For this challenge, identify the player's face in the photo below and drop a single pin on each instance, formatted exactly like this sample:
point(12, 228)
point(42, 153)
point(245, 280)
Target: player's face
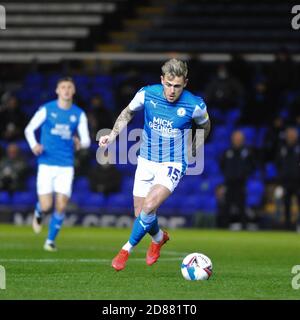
point(173, 87)
point(65, 90)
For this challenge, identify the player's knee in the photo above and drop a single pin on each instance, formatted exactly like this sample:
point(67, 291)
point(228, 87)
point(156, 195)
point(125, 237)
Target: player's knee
point(45, 207)
point(137, 209)
point(149, 205)
point(60, 206)
point(46, 211)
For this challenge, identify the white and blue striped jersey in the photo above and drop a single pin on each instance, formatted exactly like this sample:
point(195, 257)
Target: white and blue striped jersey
point(166, 124)
point(58, 127)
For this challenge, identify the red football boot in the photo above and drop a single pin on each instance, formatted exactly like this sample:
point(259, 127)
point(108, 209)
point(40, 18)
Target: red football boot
point(119, 261)
point(153, 252)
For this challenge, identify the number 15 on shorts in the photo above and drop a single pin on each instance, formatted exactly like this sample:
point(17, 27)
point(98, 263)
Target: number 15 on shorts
point(174, 173)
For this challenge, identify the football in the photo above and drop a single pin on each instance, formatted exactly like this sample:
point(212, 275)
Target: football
point(196, 266)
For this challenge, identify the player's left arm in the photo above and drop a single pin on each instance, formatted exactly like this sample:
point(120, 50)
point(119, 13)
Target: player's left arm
point(203, 126)
point(206, 127)
point(199, 139)
point(84, 140)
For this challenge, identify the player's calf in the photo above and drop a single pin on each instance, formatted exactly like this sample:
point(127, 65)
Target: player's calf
point(38, 219)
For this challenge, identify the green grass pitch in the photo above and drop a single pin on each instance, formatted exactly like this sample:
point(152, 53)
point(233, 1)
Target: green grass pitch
point(246, 265)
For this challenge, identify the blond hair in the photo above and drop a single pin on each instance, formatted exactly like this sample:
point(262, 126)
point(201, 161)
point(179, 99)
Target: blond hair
point(175, 68)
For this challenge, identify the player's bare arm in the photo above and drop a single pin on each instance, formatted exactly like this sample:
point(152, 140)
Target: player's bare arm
point(197, 141)
point(123, 119)
point(206, 127)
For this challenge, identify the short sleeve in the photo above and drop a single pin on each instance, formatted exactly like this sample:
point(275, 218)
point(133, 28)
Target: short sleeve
point(137, 103)
point(200, 114)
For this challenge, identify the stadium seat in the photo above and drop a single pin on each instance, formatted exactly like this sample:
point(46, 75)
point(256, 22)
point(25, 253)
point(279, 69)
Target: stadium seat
point(250, 135)
point(31, 183)
point(270, 171)
point(24, 198)
point(5, 198)
point(127, 184)
point(209, 205)
point(81, 184)
point(260, 140)
point(221, 133)
point(173, 202)
point(33, 79)
point(210, 151)
point(92, 199)
point(103, 80)
point(191, 204)
point(211, 168)
point(24, 146)
point(233, 116)
point(255, 191)
point(120, 201)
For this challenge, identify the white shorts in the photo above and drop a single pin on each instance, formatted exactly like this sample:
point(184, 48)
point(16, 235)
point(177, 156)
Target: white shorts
point(149, 173)
point(54, 179)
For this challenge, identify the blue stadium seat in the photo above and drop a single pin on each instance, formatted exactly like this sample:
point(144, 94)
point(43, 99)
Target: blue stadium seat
point(5, 198)
point(255, 191)
point(24, 146)
point(33, 79)
point(260, 140)
point(211, 168)
point(222, 145)
point(233, 116)
point(92, 199)
point(81, 80)
point(31, 183)
point(270, 171)
point(173, 202)
point(24, 198)
point(3, 144)
point(120, 200)
point(81, 184)
point(191, 204)
point(103, 80)
point(186, 186)
point(127, 184)
point(209, 205)
point(250, 135)
point(216, 114)
point(221, 133)
point(210, 151)
point(78, 197)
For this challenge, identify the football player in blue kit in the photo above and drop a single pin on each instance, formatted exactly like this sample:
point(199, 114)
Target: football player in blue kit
point(169, 110)
point(60, 122)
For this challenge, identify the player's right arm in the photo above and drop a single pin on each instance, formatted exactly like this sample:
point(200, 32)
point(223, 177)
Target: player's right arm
point(35, 122)
point(124, 118)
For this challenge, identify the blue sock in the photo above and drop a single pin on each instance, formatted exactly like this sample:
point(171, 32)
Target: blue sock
point(142, 225)
point(55, 224)
point(37, 210)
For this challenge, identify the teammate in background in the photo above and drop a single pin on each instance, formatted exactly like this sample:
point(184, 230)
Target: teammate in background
point(60, 121)
point(169, 112)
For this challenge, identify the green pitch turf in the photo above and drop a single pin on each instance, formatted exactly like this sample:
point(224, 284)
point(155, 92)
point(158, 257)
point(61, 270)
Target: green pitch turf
point(246, 265)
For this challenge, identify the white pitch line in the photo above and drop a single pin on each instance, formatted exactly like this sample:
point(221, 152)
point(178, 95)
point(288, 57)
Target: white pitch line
point(77, 260)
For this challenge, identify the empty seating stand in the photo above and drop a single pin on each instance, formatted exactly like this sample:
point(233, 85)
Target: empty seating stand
point(53, 26)
point(210, 26)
